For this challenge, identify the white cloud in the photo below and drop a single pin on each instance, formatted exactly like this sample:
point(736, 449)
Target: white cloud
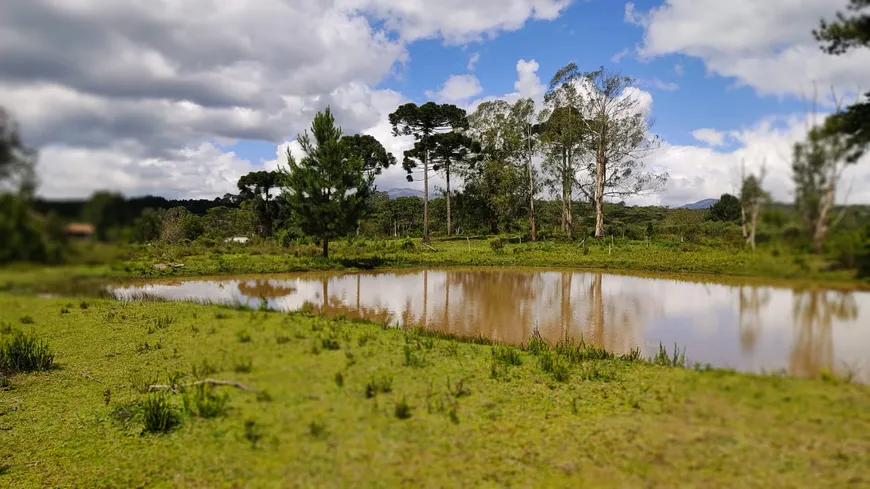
point(457, 88)
point(661, 85)
point(679, 69)
point(710, 137)
point(472, 61)
point(616, 58)
point(145, 90)
point(765, 45)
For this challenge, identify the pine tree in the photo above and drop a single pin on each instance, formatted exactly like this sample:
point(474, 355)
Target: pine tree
point(327, 189)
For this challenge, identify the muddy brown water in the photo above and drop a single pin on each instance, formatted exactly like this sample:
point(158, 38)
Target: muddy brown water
point(749, 327)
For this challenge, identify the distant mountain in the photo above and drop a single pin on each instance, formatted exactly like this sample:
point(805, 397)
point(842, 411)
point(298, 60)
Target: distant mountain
point(701, 204)
point(404, 192)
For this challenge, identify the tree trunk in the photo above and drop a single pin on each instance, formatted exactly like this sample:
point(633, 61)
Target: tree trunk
point(531, 191)
point(821, 225)
point(753, 224)
point(426, 198)
point(449, 226)
point(325, 247)
point(600, 178)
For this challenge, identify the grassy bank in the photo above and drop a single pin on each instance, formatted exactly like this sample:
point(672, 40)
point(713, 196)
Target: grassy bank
point(622, 256)
point(342, 404)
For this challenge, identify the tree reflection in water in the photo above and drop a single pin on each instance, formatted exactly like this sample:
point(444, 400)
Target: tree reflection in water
point(814, 312)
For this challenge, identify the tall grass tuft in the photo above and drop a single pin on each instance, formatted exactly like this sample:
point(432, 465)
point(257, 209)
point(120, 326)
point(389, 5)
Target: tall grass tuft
point(203, 402)
point(663, 358)
point(536, 344)
point(403, 409)
point(554, 364)
point(24, 352)
point(158, 415)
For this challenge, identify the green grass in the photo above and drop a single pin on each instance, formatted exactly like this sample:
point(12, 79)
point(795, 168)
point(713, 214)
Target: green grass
point(580, 418)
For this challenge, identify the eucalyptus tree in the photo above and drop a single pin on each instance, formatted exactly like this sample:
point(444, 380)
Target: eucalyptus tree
point(422, 122)
point(562, 132)
point(616, 140)
point(327, 189)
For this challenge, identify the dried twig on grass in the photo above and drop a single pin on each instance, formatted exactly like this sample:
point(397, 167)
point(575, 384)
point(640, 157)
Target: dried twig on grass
point(229, 383)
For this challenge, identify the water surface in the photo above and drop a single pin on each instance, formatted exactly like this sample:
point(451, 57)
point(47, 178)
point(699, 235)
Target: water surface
point(747, 327)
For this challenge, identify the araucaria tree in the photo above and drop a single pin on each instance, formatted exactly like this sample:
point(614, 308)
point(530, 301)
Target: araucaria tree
point(423, 122)
point(451, 153)
point(326, 190)
point(615, 142)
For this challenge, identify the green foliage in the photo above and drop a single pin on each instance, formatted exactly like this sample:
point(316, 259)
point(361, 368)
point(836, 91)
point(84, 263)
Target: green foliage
point(105, 211)
point(158, 415)
point(25, 236)
point(179, 225)
point(403, 410)
point(381, 384)
point(365, 147)
point(848, 31)
point(24, 352)
point(497, 245)
point(326, 190)
point(507, 355)
point(726, 209)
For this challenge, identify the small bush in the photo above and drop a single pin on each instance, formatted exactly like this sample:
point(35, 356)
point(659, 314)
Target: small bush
point(158, 415)
point(317, 429)
point(243, 336)
point(407, 245)
point(24, 352)
point(203, 402)
point(83, 305)
point(162, 322)
point(330, 343)
point(26, 320)
point(536, 344)
point(497, 245)
point(555, 365)
point(253, 432)
point(339, 379)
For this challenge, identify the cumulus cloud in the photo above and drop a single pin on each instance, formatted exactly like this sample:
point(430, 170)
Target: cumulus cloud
point(660, 84)
point(457, 88)
point(136, 90)
point(764, 45)
point(710, 137)
point(472, 61)
point(616, 58)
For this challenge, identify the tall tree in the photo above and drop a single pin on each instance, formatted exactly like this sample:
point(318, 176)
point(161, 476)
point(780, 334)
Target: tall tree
point(106, 211)
point(16, 160)
point(375, 158)
point(423, 122)
point(752, 196)
point(817, 167)
point(617, 140)
point(523, 115)
point(451, 153)
point(562, 131)
point(849, 31)
point(726, 209)
point(326, 189)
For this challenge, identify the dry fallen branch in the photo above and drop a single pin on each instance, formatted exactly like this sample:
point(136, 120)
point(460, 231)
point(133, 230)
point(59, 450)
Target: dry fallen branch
point(88, 376)
point(229, 383)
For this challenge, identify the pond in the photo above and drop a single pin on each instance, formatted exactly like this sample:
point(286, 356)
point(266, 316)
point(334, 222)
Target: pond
point(747, 327)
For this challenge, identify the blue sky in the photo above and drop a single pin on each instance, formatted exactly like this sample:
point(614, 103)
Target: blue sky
point(186, 99)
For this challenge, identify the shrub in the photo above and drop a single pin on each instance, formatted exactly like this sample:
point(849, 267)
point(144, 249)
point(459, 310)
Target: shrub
point(403, 409)
point(497, 245)
point(407, 245)
point(378, 385)
point(24, 352)
point(158, 416)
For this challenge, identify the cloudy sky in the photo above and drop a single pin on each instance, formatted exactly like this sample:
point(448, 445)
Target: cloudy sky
point(180, 97)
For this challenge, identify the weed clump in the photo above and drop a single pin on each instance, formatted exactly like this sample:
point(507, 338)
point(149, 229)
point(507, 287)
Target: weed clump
point(403, 409)
point(203, 402)
point(664, 359)
point(253, 432)
point(26, 320)
point(24, 352)
point(379, 385)
point(555, 365)
point(507, 355)
point(158, 415)
point(244, 366)
point(243, 336)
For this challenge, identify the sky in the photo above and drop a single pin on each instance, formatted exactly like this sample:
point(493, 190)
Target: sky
point(179, 98)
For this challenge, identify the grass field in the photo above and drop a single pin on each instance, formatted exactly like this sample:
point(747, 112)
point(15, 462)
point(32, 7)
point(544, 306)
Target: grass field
point(343, 404)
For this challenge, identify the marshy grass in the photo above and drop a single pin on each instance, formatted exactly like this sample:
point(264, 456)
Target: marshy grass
point(24, 352)
point(507, 355)
point(158, 414)
point(555, 365)
point(676, 359)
